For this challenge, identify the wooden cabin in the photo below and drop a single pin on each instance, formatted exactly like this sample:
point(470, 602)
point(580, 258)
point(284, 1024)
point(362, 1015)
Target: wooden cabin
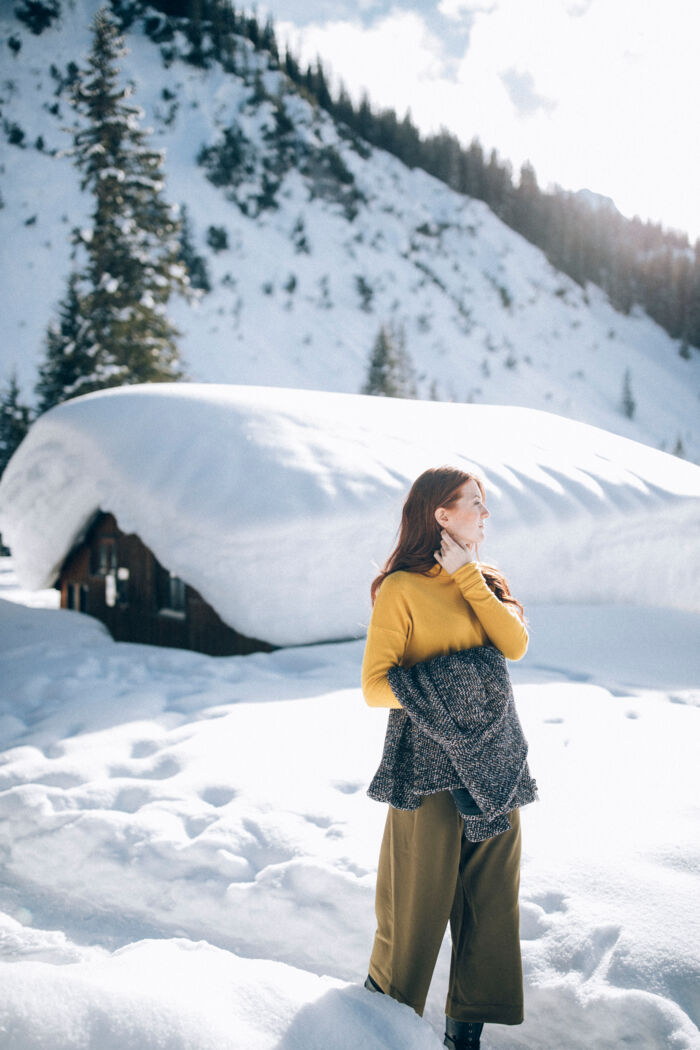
point(114, 577)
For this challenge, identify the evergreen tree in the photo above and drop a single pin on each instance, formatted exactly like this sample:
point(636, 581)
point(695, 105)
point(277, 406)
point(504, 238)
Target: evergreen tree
point(67, 367)
point(195, 263)
point(38, 14)
point(526, 202)
point(628, 404)
point(132, 246)
point(14, 421)
point(390, 372)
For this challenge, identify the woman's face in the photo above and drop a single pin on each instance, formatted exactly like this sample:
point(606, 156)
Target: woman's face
point(464, 519)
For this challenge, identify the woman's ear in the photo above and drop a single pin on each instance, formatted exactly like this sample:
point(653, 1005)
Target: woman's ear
point(441, 517)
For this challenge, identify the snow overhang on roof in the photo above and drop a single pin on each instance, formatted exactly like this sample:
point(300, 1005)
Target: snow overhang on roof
point(278, 505)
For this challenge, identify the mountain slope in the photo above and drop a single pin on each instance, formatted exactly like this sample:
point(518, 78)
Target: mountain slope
point(325, 241)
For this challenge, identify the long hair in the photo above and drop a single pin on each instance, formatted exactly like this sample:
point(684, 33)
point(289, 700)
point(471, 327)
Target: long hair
point(419, 532)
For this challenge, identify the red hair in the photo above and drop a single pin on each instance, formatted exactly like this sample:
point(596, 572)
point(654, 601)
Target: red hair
point(419, 532)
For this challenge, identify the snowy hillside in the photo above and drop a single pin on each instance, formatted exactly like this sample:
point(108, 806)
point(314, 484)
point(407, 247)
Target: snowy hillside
point(277, 505)
point(189, 856)
point(347, 239)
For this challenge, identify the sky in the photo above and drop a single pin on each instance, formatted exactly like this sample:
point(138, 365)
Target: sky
point(596, 94)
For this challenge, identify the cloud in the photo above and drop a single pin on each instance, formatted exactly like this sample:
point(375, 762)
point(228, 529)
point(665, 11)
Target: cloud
point(458, 9)
point(521, 88)
point(396, 59)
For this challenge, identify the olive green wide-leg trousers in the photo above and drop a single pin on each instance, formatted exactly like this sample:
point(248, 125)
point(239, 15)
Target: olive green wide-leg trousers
point(429, 874)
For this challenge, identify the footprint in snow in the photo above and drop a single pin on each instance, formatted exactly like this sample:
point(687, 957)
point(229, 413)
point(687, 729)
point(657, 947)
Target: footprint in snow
point(53, 750)
point(130, 800)
point(535, 912)
point(194, 826)
point(318, 821)
point(143, 748)
point(586, 953)
point(348, 787)
point(168, 766)
point(218, 796)
point(549, 902)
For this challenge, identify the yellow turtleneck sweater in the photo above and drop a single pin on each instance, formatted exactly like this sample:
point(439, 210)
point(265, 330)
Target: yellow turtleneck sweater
point(417, 617)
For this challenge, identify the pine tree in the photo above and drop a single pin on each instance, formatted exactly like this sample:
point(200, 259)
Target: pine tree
point(627, 403)
point(67, 367)
point(132, 246)
point(390, 372)
point(195, 263)
point(14, 421)
point(38, 14)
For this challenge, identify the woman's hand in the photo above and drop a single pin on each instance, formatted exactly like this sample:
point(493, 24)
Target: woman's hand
point(453, 554)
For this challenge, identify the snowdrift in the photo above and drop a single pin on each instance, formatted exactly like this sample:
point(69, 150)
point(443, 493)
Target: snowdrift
point(279, 505)
point(176, 994)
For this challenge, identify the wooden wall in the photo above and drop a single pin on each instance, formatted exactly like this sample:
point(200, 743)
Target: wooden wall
point(117, 579)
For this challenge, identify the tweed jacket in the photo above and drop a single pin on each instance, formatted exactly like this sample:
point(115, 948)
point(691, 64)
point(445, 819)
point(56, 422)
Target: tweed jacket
point(457, 728)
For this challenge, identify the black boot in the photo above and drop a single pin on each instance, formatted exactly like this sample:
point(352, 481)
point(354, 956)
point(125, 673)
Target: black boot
point(372, 986)
point(463, 1035)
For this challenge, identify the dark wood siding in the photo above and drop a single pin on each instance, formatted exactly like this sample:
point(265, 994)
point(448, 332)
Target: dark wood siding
point(113, 576)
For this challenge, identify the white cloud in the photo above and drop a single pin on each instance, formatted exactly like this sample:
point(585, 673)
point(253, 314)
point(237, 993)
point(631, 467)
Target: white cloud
point(394, 60)
point(455, 9)
point(523, 94)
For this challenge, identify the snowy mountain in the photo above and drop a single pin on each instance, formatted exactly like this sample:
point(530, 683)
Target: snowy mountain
point(312, 241)
point(596, 200)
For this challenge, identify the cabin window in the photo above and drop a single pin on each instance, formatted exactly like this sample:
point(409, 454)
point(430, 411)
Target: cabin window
point(104, 557)
point(76, 597)
point(176, 593)
point(123, 585)
point(173, 600)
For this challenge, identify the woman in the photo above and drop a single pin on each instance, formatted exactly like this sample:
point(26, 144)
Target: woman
point(432, 599)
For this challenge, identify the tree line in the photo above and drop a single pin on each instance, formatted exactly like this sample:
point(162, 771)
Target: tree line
point(634, 262)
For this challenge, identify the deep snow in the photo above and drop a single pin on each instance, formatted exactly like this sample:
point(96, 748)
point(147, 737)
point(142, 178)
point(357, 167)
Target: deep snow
point(189, 855)
point(276, 505)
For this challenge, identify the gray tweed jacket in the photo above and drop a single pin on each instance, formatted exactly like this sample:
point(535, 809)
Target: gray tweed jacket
point(457, 728)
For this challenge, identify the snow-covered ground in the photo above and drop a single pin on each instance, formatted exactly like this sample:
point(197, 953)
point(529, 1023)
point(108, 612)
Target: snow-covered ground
point(188, 852)
point(189, 855)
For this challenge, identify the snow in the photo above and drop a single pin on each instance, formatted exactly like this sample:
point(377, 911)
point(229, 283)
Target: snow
point(189, 854)
point(295, 495)
point(141, 998)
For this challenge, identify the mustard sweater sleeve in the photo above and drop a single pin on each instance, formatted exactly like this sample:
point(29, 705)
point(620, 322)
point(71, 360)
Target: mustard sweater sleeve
point(504, 628)
point(388, 633)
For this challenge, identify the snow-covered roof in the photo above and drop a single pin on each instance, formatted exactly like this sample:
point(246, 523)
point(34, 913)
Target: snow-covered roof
point(278, 505)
